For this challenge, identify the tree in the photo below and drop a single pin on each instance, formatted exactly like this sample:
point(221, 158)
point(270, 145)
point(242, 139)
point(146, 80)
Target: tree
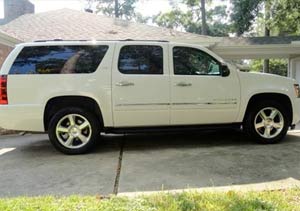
point(267, 32)
point(277, 66)
point(124, 9)
point(243, 14)
point(196, 6)
point(203, 14)
point(116, 8)
point(173, 19)
point(281, 17)
point(286, 17)
point(191, 20)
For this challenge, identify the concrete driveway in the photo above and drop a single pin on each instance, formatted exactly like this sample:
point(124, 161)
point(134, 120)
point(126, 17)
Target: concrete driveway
point(30, 166)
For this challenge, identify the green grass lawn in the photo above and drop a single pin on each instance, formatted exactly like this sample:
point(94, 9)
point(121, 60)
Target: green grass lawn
point(235, 201)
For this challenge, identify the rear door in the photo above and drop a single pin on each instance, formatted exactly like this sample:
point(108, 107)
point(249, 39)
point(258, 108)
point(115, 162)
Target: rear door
point(140, 84)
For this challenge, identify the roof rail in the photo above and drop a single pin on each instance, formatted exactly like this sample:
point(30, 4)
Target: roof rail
point(55, 40)
point(127, 40)
point(146, 40)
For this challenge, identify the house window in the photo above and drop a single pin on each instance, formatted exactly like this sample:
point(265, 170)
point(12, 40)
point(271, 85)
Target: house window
point(141, 59)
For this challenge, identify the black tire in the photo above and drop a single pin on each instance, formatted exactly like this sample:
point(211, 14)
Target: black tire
point(249, 122)
point(94, 132)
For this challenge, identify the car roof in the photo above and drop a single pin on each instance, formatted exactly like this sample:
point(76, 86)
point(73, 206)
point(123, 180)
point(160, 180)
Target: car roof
point(60, 42)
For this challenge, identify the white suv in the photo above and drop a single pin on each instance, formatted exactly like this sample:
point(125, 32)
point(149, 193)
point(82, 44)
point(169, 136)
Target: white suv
point(75, 90)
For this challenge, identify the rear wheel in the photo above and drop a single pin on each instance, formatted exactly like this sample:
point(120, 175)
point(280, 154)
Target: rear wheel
point(73, 130)
point(267, 122)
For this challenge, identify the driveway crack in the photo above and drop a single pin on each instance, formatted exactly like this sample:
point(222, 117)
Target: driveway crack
point(119, 167)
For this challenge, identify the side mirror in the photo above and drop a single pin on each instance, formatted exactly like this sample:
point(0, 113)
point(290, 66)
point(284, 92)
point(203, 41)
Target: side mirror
point(225, 70)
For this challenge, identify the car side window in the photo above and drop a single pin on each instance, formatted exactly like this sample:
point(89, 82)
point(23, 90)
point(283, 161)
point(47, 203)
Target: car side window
point(192, 61)
point(141, 59)
point(58, 59)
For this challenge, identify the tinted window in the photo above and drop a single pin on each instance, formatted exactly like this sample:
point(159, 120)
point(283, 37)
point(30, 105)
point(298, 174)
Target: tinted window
point(141, 59)
point(58, 59)
point(192, 61)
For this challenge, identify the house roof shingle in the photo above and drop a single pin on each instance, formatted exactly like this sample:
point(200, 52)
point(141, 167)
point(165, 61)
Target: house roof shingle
point(69, 24)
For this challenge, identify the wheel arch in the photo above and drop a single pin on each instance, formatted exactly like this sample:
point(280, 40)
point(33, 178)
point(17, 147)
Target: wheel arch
point(279, 97)
point(59, 102)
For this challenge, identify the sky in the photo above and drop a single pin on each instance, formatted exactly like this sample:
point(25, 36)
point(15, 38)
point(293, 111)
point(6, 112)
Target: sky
point(146, 7)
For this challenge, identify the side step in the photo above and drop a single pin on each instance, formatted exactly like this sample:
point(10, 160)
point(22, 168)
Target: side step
point(172, 129)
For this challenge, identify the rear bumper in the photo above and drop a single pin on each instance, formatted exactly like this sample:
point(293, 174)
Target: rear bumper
point(22, 117)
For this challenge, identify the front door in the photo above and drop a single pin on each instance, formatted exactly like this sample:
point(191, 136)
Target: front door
point(199, 93)
point(140, 85)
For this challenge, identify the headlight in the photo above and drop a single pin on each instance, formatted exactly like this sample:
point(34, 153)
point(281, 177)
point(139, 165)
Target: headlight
point(297, 90)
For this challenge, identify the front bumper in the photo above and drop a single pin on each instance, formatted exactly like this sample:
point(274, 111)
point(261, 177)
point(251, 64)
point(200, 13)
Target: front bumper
point(296, 111)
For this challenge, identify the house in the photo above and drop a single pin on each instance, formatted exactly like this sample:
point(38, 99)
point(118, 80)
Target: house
point(69, 24)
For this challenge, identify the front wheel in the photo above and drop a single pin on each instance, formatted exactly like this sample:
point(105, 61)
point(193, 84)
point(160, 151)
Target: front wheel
point(73, 130)
point(267, 122)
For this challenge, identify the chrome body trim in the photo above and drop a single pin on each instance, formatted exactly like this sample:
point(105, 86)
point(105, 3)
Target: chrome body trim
point(172, 104)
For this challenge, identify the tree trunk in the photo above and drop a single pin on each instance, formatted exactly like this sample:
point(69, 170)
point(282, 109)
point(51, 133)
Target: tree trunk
point(267, 34)
point(203, 14)
point(266, 65)
point(116, 8)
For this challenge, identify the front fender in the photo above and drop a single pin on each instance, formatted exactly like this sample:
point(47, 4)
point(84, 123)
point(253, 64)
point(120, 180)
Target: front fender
point(253, 84)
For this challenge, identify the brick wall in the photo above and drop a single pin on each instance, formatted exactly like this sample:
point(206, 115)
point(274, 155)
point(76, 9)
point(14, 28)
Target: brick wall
point(4, 51)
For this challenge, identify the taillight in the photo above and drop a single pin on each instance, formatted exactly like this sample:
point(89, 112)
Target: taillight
point(3, 90)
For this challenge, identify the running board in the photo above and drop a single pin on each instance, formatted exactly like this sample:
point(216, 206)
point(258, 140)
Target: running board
point(172, 129)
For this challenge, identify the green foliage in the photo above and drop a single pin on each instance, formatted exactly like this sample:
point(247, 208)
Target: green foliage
point(284, 16)
point(243, 14)
point(173, 19)
point(219, 29)
point(287, 200)
point(277, 66)
point(126, 9)
point(190, 20)
point(138, 17)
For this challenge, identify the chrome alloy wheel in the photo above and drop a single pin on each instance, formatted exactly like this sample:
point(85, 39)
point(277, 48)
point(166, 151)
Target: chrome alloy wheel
point(73, 131)
point(269, 122)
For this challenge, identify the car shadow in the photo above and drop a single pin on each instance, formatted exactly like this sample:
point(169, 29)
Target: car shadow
point(205, 159)
point(157, 140)
point(207, 139)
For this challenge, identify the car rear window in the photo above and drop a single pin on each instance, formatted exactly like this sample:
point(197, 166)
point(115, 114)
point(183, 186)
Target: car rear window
point(58, 59)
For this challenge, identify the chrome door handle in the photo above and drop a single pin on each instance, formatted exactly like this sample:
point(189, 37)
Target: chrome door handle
point(124, 83)
point(183, 84)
